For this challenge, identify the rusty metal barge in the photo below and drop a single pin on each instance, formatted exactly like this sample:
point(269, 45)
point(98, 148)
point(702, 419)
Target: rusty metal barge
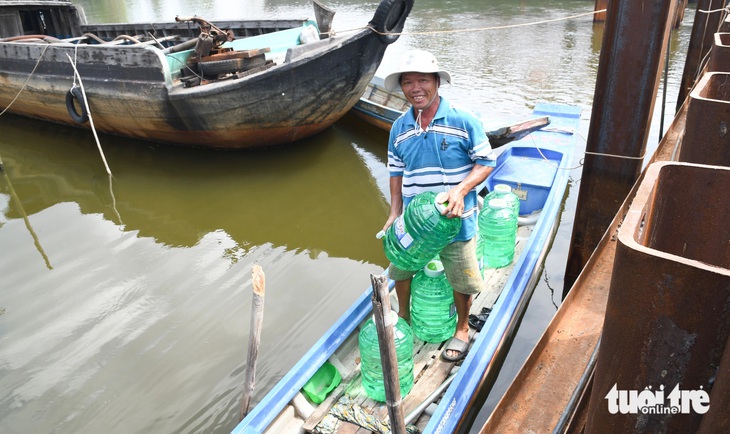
point(225, 85)
point(641, 343)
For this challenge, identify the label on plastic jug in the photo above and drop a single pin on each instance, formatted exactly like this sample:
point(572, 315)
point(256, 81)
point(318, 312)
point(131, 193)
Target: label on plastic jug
point(400, 232)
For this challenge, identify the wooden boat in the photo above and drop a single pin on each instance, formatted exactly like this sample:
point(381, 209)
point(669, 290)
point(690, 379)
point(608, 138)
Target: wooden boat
point(545, 157)
point(232, 84)
point(380, 108)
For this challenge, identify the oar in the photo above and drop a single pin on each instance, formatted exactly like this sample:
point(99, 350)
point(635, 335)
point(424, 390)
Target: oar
point(257, 319)
point(502, 136)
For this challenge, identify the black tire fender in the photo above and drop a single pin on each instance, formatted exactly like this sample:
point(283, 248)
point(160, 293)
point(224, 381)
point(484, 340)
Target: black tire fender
point(72, 96)
point(390, 17)
point(214, 68)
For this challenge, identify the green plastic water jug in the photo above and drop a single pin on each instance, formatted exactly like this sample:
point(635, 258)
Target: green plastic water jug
point(420, 233)
point(371, 367)
point(433, 313)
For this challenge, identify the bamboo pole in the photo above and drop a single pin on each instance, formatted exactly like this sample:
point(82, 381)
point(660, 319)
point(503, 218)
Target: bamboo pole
point(257, 319)
point(388, 357)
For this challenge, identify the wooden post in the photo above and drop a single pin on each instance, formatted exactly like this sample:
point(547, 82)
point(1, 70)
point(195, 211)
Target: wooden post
point(388, 357)
point(323, 15)
point(257, 319)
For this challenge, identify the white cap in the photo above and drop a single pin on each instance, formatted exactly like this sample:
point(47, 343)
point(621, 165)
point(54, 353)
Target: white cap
point(497, 203)
point(434, 268)
point(415, 61)
point(503, 188)
point(440, 200)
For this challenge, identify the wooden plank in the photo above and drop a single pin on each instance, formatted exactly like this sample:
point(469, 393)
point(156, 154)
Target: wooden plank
point(429, 380)
point(506, 134)
point(238, 54)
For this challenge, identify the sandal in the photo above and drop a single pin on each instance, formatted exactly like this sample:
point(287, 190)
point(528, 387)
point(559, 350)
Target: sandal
point(477, 321)
point(455, 344)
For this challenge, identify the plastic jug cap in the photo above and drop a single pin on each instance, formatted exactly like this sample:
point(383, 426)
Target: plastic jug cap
point(389, 318)
point(503, 188)
point(434, 268)
point(441, 201)
point(497, 203)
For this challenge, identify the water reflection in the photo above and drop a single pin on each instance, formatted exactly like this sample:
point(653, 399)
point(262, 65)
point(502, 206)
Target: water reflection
point(315, 196)
point(19, 205)
point(148, 296)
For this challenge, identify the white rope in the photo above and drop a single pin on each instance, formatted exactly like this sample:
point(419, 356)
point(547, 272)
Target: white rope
point(726, 8)
point(601, 154)
point(476, 29)
point(93, 129)
point(88, 111)
point(549, 161)
point(96, 137)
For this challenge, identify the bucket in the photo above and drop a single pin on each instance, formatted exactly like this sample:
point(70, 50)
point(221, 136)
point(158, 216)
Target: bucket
point(322, 383)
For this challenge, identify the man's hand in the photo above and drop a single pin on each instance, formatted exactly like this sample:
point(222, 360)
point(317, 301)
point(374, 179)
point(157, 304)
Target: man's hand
point(389, 222)
point(455, 196)
point(454, 201)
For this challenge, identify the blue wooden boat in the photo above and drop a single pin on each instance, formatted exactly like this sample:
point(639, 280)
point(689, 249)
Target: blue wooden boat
point(225, 84)
point(537, 167)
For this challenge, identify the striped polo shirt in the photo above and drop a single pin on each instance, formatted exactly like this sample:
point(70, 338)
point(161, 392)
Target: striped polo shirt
point(439, 157)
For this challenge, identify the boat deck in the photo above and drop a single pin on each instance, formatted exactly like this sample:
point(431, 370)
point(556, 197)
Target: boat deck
point(430, 370)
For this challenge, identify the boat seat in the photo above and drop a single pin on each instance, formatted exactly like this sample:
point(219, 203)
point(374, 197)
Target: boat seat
point(530, 175)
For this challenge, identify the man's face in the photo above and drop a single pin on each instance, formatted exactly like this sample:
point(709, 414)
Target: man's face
point(419, 88)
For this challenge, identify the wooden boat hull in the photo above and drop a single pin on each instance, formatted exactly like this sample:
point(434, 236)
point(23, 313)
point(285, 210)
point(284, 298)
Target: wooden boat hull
point(284, 410)
point(133, 91)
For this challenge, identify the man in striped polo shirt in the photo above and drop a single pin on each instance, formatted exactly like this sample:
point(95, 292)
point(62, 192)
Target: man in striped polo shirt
point(436, 146)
